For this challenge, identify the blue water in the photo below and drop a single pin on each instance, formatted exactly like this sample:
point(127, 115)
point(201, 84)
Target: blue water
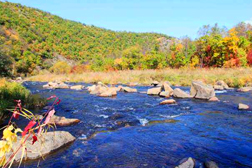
point(133, 130)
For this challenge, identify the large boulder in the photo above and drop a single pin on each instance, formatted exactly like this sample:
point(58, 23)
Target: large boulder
point(244, 89)
point(199, 90)
point(186, 163)
point(98, 89)
point(47, 142)
point(77, 87)
point(180, 93)
point(164, 94)
point(154, 91)
point(109, 92)
point(166, 87)
point(128, 89)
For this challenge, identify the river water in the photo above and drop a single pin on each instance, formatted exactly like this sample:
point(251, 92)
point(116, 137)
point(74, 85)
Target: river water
point(133, 130)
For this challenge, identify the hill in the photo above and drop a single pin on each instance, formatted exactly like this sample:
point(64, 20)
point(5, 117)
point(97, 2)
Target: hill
point(29, 37)
point(32, 40)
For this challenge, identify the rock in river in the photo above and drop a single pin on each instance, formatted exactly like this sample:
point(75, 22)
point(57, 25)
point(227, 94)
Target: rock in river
point(154, 83)
point(244, 89)
point(213, 99)
point(180, 94)
point(56, 85)
point(199, 90)
point(154, 91)
point(210, 164)
point(47, 143)
point(186, 163)
point(166, 87)
point(169, 101)
point(128, 89)
point(61, 121)
point(77, 87)
point(221, 84)
point(164, 94)
point(243, 106)
point(109, 92)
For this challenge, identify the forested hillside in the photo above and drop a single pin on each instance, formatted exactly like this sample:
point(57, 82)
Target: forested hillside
point(30, 36)
point(31, 40)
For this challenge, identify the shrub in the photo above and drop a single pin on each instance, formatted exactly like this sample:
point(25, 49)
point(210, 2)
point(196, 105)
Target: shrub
point(61, 67)
point(15, 91)
point(5, 65)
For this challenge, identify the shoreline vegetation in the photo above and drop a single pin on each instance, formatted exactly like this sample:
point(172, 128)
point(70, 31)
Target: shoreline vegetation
point(11, 91)
point(234, 77)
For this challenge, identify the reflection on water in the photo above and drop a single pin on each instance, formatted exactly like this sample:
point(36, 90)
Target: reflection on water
point(133, 130)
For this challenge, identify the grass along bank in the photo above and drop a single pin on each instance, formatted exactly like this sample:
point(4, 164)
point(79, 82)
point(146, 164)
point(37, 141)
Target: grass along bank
point(234, 77)
point(10, 91)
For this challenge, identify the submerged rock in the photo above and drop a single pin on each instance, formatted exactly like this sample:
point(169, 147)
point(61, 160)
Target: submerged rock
point(243, 106)
point(199, 90)
point(210, 164)
point(77, 87)
point(186, 163)
point(47, 143)
point(169, 101)
point(154, 91)
point(180, 93)
point(162, 121)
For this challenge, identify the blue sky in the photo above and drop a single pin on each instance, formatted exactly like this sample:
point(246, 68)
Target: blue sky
point(172, 17)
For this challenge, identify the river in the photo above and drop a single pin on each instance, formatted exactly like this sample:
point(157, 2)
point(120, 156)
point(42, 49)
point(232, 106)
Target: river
point(133, 130)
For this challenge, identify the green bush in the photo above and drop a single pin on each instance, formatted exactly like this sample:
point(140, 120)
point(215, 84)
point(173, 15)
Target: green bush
point(9, 92)
point(61, 67)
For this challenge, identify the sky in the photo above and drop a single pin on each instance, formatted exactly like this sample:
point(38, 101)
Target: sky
point(176, 18)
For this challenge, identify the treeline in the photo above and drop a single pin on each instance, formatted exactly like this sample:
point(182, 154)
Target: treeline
point(31, 40)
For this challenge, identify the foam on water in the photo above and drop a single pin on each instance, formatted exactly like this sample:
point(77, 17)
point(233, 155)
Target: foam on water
point(143, 121)
point(220, 91)
point(104, 116)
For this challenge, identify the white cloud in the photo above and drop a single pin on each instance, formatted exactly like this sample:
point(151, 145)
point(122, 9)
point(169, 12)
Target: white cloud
point(249, 21)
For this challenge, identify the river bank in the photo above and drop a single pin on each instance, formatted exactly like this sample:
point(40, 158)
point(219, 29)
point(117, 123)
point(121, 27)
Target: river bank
point(235, 77)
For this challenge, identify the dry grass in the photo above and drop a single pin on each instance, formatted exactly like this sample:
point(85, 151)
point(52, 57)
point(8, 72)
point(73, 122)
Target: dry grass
point(235, 77)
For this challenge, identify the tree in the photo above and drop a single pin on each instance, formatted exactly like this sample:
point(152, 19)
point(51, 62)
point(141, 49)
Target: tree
point(5, 65)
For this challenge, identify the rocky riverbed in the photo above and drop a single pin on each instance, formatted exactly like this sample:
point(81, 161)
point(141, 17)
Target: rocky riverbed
point(134, 130)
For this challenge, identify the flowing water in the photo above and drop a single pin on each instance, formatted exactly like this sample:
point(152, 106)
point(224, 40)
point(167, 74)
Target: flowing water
point(133, 130)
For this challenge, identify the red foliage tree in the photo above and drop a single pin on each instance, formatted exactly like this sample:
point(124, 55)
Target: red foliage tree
point(249, 57)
